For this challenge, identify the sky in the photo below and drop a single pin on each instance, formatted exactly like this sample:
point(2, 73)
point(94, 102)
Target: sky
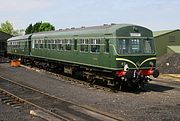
point(153, 14)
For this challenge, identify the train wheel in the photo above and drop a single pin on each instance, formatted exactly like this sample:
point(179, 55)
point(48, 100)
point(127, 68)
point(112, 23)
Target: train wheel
point(144, 85)
point(91, 80)
point(105, 82)
point(123, 85)
point(117, 85)
point(135, 85)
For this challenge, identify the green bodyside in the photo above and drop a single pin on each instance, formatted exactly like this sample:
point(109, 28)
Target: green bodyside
point(21, 47)
point(104, 60)
point(100, 59)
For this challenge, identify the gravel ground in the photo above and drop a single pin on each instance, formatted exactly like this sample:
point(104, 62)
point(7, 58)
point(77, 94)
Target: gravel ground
point(8, 113)
point(169, 64)
point(160, 102)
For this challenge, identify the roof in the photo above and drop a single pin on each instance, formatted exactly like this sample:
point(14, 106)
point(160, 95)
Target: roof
point(107, 30)
point(176, 49)
point(160, 33)
point(95, 30)
point(19, 37)
point(83, 28)
point(4, 35)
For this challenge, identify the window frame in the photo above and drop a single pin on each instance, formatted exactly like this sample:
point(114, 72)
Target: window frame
point(125, 46)
point(97, 43)
point(68, 43)
point(84, 45)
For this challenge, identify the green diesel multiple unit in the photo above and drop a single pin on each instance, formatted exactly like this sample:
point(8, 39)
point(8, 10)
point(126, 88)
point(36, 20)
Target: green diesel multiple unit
point(119, 54)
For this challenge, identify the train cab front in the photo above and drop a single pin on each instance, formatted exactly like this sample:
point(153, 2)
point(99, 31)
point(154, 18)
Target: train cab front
point(136, 61)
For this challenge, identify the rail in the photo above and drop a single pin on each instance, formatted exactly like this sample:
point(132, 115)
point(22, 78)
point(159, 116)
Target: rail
point(60, 108)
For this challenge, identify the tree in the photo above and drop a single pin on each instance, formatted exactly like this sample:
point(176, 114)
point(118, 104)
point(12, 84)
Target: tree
point(29, 29)
point(7, 27)
point(36, 27)
point(46, 27)
point(39, 27)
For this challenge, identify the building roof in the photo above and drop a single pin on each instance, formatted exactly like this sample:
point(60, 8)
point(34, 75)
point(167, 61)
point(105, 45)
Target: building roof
point(176, 49)
point(160, 33)
point(4, 35)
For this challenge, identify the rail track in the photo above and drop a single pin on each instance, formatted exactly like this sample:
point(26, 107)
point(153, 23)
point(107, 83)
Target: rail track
point(73, 80)
point(98, 87)
point(105, 88)
point(16, 94)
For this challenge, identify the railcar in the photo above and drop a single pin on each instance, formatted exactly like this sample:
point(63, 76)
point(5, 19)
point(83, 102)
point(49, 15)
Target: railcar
point(118, 54)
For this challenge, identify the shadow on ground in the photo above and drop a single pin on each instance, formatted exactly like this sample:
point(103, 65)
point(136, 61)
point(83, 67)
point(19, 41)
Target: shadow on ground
point(149, 88)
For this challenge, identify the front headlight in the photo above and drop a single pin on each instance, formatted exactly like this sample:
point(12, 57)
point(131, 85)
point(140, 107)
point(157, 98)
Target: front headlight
point(151, 63)
point(122, 64)
point(126, 67)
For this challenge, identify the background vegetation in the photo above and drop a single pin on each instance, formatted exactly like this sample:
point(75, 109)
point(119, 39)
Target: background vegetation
point(8, 28)
point(39, 27)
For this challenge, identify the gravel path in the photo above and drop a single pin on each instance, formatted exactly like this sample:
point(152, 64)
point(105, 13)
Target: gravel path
point(159, 103)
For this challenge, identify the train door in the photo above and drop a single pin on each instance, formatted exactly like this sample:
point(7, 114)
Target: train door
point(75, 48)
point(107, 57)
point(29, 45)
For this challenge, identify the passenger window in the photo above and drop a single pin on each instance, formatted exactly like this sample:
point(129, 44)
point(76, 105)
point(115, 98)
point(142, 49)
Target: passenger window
point(95, 45)
point(53, 44)
point(36, 44)
point(68, 44)
point(41, 44)
point(84, 45)
point(60, 44)
point(49, 44)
